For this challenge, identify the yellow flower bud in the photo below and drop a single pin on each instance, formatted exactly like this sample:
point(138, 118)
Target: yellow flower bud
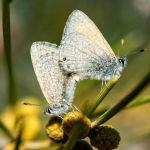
point(32, 126)
point(54, 130)
point(25, 110)
point(8, 117)
point(76, 118)
point(27, 115)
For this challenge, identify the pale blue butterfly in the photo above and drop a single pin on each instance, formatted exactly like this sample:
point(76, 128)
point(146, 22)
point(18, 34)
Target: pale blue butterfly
point(83, 53)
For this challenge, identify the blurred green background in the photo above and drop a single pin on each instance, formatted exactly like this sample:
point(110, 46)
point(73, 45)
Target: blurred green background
point(44, 20)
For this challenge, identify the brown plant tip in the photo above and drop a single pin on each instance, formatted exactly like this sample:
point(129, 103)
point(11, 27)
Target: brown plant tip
point(76, 118)
point(104, 137)
point(54, 130)
point(82, 145)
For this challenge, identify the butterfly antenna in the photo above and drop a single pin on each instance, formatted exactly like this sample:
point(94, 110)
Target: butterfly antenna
point(118, 52)
point(31, 104)
point(138, 51)
point(122, 43)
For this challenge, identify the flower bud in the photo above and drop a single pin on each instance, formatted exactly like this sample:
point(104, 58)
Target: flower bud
point(104, 137)
point(54, 130)
point(75, 118)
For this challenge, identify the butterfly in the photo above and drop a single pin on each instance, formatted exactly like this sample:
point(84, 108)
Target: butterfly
point(83, 53)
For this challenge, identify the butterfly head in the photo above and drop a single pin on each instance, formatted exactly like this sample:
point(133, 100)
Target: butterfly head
point(122, 62)
point(48, 111)
point(58, 109)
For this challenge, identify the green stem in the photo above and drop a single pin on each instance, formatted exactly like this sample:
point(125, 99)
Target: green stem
point(102, 94)
point(124, 102)
point(7, 48)
point(18, 141)
point(73, 137)
point(135, 103)
point(6, 130)
point(139, 101)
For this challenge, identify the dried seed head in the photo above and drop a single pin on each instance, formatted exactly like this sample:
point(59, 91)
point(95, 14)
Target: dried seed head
point(104, 137)
point(82, 145)
point(75, 118)
point(54, 130)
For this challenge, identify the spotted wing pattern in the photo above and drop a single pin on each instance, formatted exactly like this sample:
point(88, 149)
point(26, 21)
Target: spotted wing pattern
point(45, 59)
point(84, 49)
point(83, 57)
point(78, 22)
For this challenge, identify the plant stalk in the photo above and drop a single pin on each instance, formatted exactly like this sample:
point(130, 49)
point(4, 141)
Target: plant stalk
point(6, 131)
point(102, 94)
point(73, 137)
point(124, 102)
point(139, 101)
point(7, 48)
point(134, 103)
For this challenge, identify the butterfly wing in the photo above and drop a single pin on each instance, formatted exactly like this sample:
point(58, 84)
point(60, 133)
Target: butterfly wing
point(82, 56)
point(84, 49)
point(45, 57)
point(78, 22)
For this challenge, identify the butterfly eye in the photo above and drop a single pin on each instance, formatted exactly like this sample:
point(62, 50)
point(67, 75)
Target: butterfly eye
point(121, 61)
point(48, 111)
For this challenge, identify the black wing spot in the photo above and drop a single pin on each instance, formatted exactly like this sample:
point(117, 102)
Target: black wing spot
point(69, 74)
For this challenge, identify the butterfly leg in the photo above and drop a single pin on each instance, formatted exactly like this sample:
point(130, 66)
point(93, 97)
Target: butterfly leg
point(72, 107)
point(106, 83)
point(102, 85)
point(76, 108)
point(60, 117)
